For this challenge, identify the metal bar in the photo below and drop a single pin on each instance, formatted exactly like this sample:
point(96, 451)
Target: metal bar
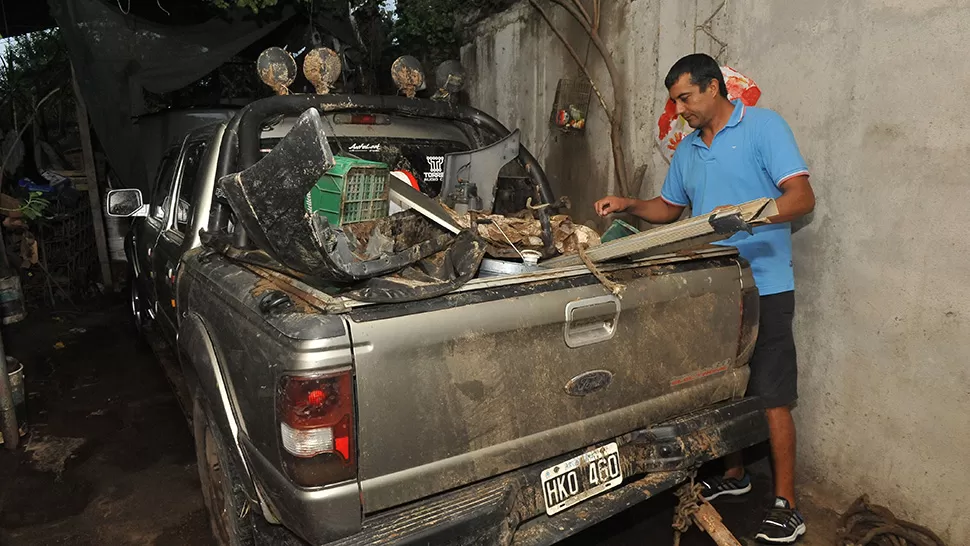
point(11, 432)
point(91, 175)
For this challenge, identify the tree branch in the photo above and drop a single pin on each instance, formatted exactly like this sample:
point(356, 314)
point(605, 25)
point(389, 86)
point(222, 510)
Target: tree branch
point(582, 9)
point(3, 166)
point(619, 96)
point(575, 56)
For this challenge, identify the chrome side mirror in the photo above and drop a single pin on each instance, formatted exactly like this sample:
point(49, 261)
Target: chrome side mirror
point(126, 203)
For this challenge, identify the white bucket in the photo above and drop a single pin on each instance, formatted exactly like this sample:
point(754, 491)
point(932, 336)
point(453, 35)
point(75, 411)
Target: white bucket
point(117, 229)
point(15, 373)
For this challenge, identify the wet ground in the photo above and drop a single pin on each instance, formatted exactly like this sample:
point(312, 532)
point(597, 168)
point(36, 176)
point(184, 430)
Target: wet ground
point(110, 458)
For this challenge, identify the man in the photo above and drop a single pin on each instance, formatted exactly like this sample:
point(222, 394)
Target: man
point(737, 154)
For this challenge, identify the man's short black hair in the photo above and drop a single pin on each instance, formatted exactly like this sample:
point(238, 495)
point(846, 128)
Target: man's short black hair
point(702, 69)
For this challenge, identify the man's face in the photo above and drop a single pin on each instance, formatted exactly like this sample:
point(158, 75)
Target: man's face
point(697, 106)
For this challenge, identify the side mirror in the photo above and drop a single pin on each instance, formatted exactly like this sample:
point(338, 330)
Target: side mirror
point(126, 204)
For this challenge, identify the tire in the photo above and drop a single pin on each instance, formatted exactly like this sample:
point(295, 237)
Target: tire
point(230, 514)
point(139, 311)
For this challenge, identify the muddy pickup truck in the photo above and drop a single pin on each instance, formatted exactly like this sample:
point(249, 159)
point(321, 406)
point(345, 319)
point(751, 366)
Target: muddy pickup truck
point(516, 409)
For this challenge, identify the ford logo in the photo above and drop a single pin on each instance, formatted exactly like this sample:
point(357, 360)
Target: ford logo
point(589, 382)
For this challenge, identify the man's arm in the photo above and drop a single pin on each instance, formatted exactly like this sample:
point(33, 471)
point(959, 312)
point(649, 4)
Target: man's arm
point(655, 211)
point(797, 199)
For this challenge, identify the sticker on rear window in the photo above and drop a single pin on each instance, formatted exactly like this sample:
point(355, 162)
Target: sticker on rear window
point(436, 171)
point(359, 147)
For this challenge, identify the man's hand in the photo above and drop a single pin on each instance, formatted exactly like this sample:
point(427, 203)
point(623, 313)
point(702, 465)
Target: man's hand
point(655, 211)
point(611, 204)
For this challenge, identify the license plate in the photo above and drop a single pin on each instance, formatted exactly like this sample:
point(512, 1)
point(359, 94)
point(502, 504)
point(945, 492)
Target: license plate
point(573, 481)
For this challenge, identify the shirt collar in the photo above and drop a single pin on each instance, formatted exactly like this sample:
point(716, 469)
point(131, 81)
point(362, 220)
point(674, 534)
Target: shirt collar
point(736, 116)
point(738, 113)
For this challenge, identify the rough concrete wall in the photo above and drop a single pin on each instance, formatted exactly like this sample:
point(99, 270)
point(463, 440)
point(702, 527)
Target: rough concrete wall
point(506, 81)
point(874, 93)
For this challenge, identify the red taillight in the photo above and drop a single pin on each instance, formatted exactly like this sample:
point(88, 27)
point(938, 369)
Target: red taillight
point(316, 397)
point(316, 414)
point(750, 315)
point(361, 119)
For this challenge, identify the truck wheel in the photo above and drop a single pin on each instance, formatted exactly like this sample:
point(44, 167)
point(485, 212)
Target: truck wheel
point(222, 490)
point(139, 312)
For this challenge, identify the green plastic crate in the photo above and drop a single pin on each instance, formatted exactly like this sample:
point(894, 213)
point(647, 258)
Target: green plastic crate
point(354, 190)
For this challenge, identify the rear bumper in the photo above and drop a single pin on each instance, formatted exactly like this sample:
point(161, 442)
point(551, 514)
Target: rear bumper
point(510, 509)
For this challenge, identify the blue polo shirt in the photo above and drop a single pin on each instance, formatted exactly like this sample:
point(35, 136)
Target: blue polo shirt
point(750, 158)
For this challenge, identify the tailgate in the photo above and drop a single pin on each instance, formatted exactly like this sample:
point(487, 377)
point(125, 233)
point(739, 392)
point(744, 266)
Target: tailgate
point(466, 386)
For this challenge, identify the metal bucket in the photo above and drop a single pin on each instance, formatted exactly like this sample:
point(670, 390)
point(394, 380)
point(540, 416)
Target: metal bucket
point(12, 307)
point(500, 268)
point(15, 373)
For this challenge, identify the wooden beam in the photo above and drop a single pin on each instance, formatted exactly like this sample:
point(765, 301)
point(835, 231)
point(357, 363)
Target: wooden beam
point(94, 195)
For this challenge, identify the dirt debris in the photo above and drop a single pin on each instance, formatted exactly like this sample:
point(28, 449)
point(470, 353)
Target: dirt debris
point(50, 453)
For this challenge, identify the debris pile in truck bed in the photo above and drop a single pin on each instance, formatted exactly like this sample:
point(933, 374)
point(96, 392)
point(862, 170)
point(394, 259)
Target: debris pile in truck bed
point(504, 234)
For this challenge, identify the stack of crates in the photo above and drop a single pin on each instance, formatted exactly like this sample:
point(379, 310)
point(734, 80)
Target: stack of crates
point(354, 190)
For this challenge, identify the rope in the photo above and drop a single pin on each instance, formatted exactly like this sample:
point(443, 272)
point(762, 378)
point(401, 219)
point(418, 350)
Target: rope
point(866, 524)
point(615, 288)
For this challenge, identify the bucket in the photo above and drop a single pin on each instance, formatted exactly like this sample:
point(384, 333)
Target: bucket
point(117, 229)
point(15, 373)
point(11, 300)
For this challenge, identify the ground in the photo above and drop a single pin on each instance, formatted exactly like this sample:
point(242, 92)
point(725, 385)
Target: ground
point(110, 458)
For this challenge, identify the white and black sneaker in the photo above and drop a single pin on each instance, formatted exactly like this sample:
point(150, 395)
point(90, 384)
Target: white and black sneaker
point(782, 525)
point(720, 486)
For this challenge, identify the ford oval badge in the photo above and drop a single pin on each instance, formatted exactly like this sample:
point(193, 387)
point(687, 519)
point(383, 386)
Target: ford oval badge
point(589, 382)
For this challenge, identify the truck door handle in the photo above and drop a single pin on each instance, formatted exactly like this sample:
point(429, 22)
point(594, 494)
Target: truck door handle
point(591, 320)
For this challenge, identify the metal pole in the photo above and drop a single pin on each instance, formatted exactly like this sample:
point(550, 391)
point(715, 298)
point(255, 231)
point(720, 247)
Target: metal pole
point(11, 433)
point(91, 176)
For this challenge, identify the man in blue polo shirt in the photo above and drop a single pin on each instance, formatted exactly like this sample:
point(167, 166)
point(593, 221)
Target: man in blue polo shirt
point(737, 154)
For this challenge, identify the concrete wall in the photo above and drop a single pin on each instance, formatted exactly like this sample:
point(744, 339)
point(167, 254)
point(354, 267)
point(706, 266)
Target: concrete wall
point(875, 93)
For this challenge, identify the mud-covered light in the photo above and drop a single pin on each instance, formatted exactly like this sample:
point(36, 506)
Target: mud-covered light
point(322, 67)
point(277, 68)
point(408, 75)
point(450, 77)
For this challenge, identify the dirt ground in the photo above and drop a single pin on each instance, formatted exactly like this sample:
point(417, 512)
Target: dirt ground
point(110, 458)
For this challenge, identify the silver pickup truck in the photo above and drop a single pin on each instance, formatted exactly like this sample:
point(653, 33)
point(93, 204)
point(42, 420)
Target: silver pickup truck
point(518, 409)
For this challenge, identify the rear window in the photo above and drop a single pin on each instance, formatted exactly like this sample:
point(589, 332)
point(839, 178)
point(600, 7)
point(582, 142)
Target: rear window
point(423, 158)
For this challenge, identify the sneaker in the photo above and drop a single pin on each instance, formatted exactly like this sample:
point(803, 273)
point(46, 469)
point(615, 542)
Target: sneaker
point(782, 525)
point(718, 486)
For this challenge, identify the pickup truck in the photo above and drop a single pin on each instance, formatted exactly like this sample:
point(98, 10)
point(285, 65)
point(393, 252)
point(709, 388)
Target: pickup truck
point(515, 410)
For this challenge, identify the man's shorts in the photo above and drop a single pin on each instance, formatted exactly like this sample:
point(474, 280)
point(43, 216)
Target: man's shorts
point(774, 372)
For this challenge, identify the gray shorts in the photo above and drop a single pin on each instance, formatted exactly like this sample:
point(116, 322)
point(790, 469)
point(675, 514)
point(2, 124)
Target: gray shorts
point(774, 371)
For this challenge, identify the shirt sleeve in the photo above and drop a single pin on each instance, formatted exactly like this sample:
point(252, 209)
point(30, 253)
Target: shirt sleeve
point(673, 190)
point(778, 151)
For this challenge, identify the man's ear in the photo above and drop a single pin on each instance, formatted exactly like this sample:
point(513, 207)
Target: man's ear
point(713, 88)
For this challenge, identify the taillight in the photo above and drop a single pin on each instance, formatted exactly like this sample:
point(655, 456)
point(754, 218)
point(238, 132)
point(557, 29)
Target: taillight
point(361, 119)
point(316, 415)
point(750, 315)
